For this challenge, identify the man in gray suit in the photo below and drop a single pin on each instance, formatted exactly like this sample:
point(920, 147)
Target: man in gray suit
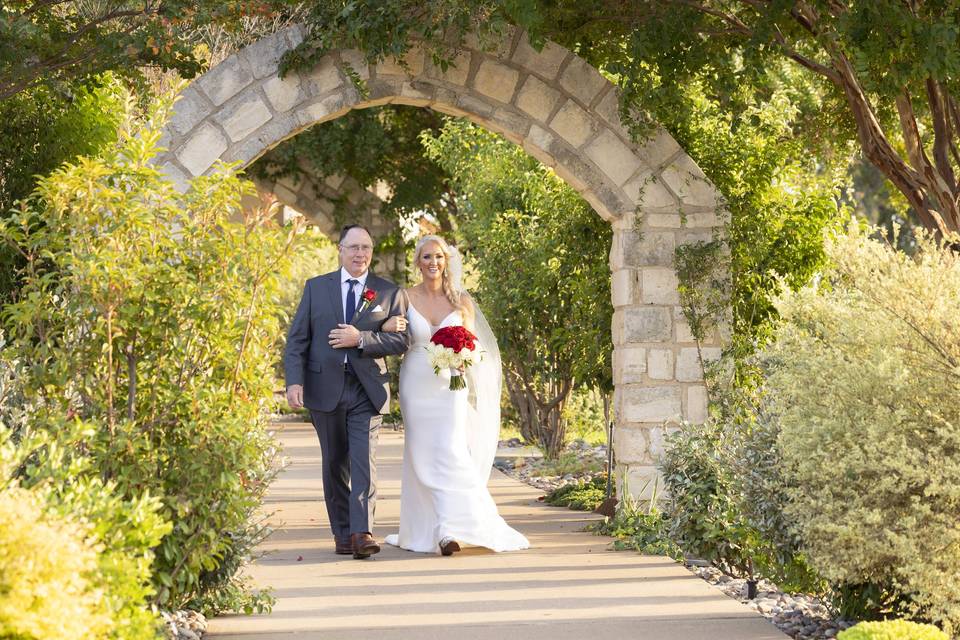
point(333, 365)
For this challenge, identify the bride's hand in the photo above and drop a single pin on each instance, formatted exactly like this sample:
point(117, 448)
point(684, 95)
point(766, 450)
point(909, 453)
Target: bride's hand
point(395, 324)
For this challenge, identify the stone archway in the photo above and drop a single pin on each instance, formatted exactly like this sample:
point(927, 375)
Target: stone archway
point(561, 111)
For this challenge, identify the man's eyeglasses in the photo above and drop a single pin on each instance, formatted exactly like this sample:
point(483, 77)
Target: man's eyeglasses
point(357, 248)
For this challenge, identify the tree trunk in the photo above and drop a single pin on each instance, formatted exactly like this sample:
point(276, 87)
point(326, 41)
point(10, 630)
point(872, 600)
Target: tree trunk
point(541, 423)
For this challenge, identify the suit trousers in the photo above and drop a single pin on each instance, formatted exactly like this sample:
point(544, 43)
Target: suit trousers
point(348, 444)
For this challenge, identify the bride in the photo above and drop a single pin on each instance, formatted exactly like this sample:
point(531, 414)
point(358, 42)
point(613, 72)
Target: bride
point(450, 436)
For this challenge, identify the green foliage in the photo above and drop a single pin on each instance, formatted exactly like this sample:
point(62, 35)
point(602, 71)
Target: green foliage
point(45, 565)
point(579, 496)
point(640, 526)
point(122, 533)
point(585, 415)
point(151, 317)
point(892, 630)
point(44, 42)
point(43, 128)
point(863, 377)
point(525, 233)
point(370, 146)
point(704, 516)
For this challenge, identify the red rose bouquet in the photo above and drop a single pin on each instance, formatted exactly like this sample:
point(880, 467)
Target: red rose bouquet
point(453, 348)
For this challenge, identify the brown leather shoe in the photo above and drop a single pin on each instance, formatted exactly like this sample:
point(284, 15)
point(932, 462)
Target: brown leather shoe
point(449, 546)
point(343, 546)
point(363, 545)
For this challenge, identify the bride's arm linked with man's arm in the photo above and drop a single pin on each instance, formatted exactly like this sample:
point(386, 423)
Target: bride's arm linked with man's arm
point(387, 341)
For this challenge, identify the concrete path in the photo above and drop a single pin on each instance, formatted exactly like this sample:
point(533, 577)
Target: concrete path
point(567, 586)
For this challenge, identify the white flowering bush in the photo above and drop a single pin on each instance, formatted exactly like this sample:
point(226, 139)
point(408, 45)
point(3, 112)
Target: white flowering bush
point(865, 376)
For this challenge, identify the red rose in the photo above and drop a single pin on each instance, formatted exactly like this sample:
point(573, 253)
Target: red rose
point(369, 295)
point(456, 338)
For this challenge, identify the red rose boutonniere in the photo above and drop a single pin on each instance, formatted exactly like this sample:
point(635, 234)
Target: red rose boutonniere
point(369, 295)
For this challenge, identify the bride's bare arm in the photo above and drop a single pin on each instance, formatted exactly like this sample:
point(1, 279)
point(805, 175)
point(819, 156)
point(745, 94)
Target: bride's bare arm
point(468, 312)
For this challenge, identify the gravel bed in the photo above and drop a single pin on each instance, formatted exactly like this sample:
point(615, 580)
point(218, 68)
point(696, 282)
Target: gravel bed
point(531, 470)
point(800, 616)
point(184, 624)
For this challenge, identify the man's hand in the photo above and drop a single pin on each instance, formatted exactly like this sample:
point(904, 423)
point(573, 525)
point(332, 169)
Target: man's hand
point(295, 396)
point(345, 336)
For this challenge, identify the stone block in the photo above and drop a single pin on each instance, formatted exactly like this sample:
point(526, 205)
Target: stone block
point(651, 404)
point(630, 443)
point(629, 365)
point(681, 328)
point(689, 368)
point(537, 98)
point(642, 481)
point(650, 194)
point(177, 177)
point(509, 122)
point(702, 219)
point(279, 127)
point(263, 56)
point(225, 80)
point(411, 65)
point(201, 149)
point(324, 77)
point(189, 110)
point(285, 194)
point(658, 285)
point(545, 63)
point(283, 93)
point(382, 91)
point(333, 106)
point(417, 94)
point(537, 143)
point(647, 324)
point(662, 220)
point(614, 157)
point(685, 179)
point(573, 124)
point(659, 148)
point(582, 81)
point(241, 118)
point(609, 108)
point(657, 440)
point(623, 287)
point(357, 62)
point(496, 80)
point(457, 72)
point(473, 106)
point(649, 249)
point(696, 404)
point(660, 364)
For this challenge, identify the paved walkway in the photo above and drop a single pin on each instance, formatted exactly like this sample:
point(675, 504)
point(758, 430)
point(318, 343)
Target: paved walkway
point(567, 586)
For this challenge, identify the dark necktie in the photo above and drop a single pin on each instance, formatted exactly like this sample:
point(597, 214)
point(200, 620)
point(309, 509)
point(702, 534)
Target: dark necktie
point(351, 300)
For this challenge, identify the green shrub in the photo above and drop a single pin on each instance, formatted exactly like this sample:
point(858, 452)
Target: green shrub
point(579, 496)
point(151, 317)
point(46, 564)
point(642, 527)
point(864, 378)
point(892, 630)
point(702, 508)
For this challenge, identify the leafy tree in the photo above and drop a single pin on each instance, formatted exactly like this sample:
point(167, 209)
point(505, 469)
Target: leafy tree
point(149, 315)
point(526, 234)
point(55, 40)
point(888, 69)
point(370, 146)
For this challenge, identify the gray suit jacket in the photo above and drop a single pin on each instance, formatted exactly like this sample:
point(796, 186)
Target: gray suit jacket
point(309, 360)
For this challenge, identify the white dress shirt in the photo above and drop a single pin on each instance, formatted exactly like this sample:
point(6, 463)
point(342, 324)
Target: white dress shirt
point(357, 295)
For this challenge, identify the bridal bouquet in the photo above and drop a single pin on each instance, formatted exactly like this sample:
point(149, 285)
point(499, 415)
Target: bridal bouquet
point(453, 348)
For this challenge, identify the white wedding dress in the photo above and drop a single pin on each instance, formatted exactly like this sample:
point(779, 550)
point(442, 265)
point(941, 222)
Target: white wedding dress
point(447, 456)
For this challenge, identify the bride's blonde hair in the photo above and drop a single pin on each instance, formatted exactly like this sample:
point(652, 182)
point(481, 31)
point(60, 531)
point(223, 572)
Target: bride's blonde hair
point(454, 296)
